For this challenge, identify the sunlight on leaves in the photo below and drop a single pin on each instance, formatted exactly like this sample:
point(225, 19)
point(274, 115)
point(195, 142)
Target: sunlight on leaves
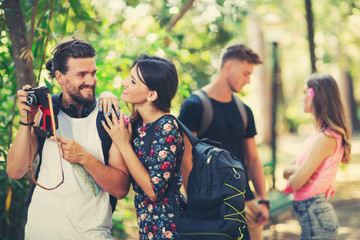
point(8, 199)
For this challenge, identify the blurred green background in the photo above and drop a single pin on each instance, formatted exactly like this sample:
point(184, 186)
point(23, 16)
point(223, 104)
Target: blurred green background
point(310, 36)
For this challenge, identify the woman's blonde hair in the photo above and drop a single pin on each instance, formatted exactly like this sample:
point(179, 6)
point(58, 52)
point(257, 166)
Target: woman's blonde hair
point(329, 110)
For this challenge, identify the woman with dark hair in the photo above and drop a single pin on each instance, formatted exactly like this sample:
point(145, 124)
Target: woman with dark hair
point(312, 174)
point(151, 86)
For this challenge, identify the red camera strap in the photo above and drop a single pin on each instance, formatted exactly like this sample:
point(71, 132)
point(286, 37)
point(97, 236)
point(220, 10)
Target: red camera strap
point(57, 143)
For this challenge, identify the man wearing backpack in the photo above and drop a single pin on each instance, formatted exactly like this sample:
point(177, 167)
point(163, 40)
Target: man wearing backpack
point(227, 126)
point(72, 198)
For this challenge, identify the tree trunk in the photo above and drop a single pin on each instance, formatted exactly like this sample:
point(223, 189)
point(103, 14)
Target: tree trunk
point(340, 75)
point(310, 27)
point(20, 47)
point(24, 75)
point(260, 80)
point(352, 103)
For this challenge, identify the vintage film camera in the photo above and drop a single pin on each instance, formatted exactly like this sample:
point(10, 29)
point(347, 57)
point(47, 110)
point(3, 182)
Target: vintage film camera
point(37, 97)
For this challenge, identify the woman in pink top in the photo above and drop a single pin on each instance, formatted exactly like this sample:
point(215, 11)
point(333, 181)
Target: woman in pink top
point(311, 175)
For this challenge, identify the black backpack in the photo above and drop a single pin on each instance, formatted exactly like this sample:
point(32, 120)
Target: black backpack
point(215, 193)
point(105, 145)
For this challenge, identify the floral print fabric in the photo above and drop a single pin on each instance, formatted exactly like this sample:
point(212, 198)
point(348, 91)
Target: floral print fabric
point(156, 219)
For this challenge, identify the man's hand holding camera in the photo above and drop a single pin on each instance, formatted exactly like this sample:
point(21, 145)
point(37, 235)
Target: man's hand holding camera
point(24, 108)
point(72, 151)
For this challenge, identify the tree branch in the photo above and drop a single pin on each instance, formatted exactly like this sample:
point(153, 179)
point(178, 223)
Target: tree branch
point(310, 27)
point(32, 27)
point(47, 38)
point(176, 18)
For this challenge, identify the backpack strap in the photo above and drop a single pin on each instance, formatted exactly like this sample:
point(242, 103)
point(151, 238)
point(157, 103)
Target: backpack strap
point(56, 104)
point(106, 143)
point(149, 137)
point(56, 109)
point(104, 136)
point(207, 115)
point(151, 132)
point(192, 138)
point(242, 110)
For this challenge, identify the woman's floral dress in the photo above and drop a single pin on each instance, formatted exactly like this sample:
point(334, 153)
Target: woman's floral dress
point(156, 219)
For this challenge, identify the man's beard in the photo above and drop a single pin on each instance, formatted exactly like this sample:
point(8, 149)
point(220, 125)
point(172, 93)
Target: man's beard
point(77, 97)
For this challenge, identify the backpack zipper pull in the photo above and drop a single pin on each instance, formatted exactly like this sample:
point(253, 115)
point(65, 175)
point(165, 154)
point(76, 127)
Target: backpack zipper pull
point(236, 174)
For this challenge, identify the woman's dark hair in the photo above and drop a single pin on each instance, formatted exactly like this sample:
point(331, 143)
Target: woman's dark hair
point(159, 75)
point(328, 108)
point(74, 48)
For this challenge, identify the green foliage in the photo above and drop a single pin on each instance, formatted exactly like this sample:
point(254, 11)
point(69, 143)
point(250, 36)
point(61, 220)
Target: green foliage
point(124, 218)
point(12, 204)
point(128, 28)
point(12, 192)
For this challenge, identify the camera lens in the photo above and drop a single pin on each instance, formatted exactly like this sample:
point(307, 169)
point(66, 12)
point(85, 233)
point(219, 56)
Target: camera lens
point(31, 100)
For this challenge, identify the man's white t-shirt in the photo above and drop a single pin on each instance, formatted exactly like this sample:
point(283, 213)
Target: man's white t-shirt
point(78, 209)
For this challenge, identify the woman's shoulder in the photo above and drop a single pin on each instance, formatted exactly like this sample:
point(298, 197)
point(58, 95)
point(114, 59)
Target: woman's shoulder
point(167, 122)
point(331, 133)
point(167, 127)
point(326, 136)
point(325, 142)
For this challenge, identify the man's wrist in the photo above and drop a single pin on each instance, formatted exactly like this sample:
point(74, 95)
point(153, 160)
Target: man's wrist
point(264, 202)
point(26, 123)
point(84, 157)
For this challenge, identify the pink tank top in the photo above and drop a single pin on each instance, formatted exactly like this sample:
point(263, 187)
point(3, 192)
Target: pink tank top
point(324, 176)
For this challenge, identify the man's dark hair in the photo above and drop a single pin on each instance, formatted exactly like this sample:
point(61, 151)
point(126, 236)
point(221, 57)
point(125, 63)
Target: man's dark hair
point(240, 52)
point(74, 48)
